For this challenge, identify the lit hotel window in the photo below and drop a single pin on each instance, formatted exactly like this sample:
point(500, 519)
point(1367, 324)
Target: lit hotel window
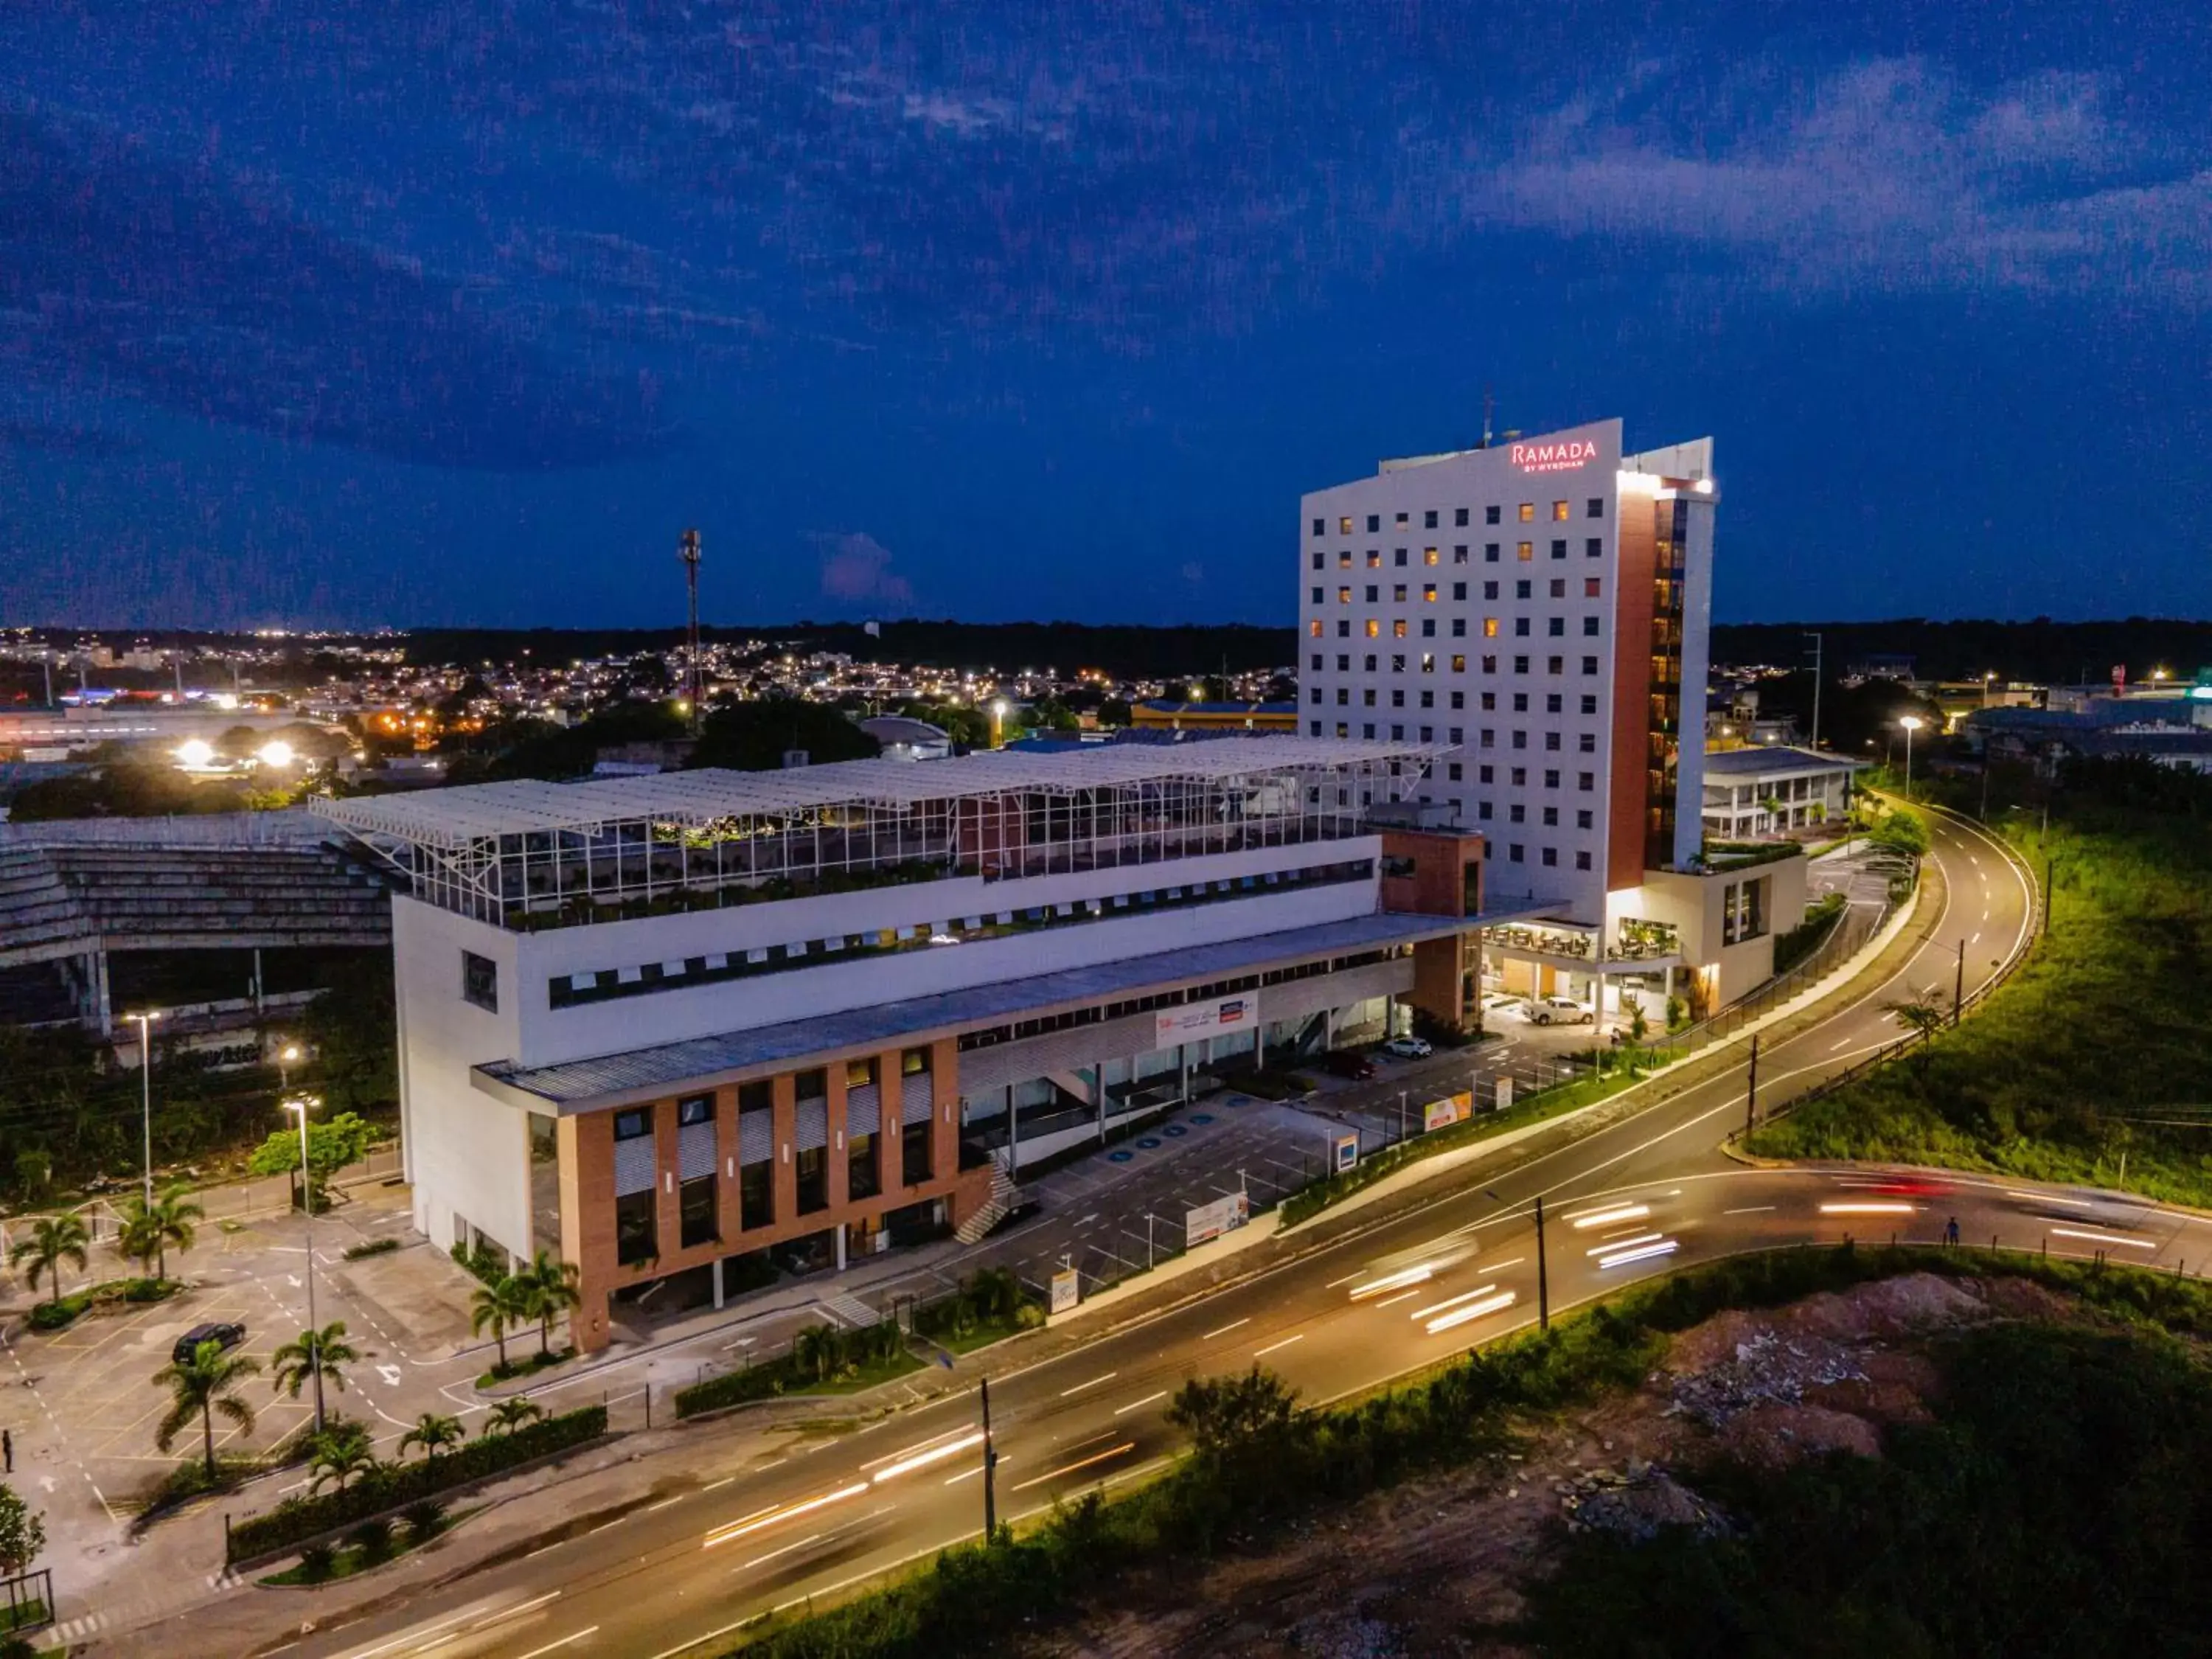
point(1314, 627)
point(1559, 511)
point(1344, 525)
point(1527, 551)
point(1528, 512)
point(1374, 629)
point(1490, 627)
point(1459, 665)
point(1398, 629)
point(1344, 596)
point(1428, 591)
point(1374, 558)
point(1401, 522)
point(1344, 560)
point(1428, 556)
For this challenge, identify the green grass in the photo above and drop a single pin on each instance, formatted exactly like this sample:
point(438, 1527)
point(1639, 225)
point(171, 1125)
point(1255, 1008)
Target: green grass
point(529, 1366)
point(2095, 1050)
point(384, 1246)
point(327, 1567)
point(24, 1615)
point(773, 1379)
point(55, 1316)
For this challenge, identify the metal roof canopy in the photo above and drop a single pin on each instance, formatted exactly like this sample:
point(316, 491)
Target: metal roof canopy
point(451, 817)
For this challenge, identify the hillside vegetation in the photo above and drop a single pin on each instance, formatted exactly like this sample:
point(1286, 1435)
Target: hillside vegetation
point(2099, 1050)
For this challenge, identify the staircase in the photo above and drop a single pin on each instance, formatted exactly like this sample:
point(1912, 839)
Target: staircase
point(848, 1309)
point(1003, 1194)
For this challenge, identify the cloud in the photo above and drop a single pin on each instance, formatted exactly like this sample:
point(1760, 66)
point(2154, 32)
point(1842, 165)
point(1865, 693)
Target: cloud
point(177, 285)
point(1887, 174)
point(856, 571)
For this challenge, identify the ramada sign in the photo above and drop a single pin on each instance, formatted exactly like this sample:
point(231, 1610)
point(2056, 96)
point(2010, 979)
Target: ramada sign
point(1555, 457)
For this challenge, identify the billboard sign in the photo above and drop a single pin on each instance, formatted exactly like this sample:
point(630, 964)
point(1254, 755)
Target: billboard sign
point(1347, 1152)
point(1452, 1109)
point(1220, 1016)
point(1504, 1093)
point(1555, 455)
point(1067, 1289)
point(1223, 1215)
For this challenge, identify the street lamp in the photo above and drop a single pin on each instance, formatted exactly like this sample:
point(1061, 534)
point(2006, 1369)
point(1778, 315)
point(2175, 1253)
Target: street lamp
point(287, 1057)
point(999, 710)
point(307, 1204)
point(1911, 723)
point(144, 1023)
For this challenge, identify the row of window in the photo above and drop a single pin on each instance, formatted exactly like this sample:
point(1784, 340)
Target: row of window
point(1400, 594)
point(1593, 508)
point(1401, 628)
point(1428, 659)
point(573, 990)
point(1493, 553)
point(1555, 702)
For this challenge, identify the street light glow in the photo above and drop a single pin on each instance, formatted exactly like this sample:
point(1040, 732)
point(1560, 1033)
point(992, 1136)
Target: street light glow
point(1911, 722)
point(194, 752)
point(276, 752)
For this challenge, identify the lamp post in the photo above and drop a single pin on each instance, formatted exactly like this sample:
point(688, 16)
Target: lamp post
point(999, 710)
point(145, 1021)
point(287, 1057)
point(1911, 723)
point(307, 1204)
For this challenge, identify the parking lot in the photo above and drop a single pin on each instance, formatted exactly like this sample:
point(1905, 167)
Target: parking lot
point(82, 1407)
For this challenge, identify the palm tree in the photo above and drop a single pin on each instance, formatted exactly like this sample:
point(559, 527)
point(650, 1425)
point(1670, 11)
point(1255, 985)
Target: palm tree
point(431, 1431)
point(148, 1230)
point(340, 1456)
point(314, 1354)
point(1922, 1016)
point(552, 1291)
point(54, 1239)
point(200, 1387)
point(820, 1350)
point(510, 1414)
point(498, 1308)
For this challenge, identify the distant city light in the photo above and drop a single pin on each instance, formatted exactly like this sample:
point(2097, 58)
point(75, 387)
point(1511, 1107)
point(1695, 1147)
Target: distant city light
point(277, 753)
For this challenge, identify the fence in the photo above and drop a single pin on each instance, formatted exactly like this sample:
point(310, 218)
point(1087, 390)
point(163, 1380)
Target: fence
point(30, 1601)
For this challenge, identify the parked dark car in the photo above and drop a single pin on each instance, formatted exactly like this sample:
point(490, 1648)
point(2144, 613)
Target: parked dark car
point(222, 1333)
point(1349, 1062)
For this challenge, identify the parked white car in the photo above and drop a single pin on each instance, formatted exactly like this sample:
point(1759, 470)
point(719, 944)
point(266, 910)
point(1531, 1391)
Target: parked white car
point(1558, 1011)
point(1408, 1047)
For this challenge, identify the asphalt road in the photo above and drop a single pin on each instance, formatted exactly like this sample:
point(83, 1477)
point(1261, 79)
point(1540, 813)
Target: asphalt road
point(1647, 1193)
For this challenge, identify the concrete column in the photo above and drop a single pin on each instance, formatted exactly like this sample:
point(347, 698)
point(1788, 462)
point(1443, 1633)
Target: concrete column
point(668, 1206)
point(785, 1179)
point(718, 1284)
point(1013, 1136)
point(1098, 1097)
point(840, 1185)
point(1259, 1046)
point(728, 1223)
point(837, 1236)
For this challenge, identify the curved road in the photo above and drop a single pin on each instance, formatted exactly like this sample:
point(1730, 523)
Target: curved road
point(1640, 1196)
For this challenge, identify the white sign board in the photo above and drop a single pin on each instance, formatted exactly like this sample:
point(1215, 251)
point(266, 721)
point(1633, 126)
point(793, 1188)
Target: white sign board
point(1347, 1152)
point(1504, 1092)
point(1067, 1289)
point(1223, 1215)
point(1221, 1016)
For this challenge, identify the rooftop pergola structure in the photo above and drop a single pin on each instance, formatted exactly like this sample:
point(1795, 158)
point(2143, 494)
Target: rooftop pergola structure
point(527, 855)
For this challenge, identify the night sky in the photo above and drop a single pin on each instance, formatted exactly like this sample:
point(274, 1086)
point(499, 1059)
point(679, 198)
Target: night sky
point(386, 311)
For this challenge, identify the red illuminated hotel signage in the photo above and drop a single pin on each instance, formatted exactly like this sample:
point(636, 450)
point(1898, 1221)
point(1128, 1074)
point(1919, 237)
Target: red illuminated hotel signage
point(1554, 457)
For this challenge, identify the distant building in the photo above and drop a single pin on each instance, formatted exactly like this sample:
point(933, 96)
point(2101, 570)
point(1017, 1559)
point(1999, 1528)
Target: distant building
point(2172, 730)
point(1759, 791)
point(905, 740)
point(1167, 713)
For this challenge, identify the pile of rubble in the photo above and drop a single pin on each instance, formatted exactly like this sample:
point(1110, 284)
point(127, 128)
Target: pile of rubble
point(1767, 1370)
point(1635, 1503)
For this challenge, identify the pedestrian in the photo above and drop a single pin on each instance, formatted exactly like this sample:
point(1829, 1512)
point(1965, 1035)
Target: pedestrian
point(7, 1451)
point(1951, 1232)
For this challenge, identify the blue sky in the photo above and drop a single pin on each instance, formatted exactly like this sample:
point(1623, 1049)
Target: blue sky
point(403, 313)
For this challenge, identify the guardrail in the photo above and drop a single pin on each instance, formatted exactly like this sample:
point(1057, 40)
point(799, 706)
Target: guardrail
point(2039, 904)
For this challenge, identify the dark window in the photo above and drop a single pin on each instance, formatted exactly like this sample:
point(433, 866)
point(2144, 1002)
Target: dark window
point(1374, 522)
point(1559, 548)
point(1589, 665)
point(1321, 526)
point(1453, 767)
point(1317, 565)
point(1490, 515)
point(1585, 818)
point(813, 1170)
point(915, 1163)
point(1556, 626)
point(1428, 519)
point(1595, 547)
point(863, 1170)
point(1590, 702)
point(1582, 860)
point(699, 1108)
point(696, 1201)
point(1551, 855)
point(1490, 552)
point(635, 1239)
point(1590, 627)
point(811, 1086)
point(1516, 854)
point(1459, 515)
point(756, 1194)
point(480, 981)
point(1596, 508)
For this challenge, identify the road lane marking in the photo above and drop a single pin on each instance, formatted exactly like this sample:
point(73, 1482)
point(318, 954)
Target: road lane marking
point(969, 1474)
point(1226, 1329)
point(2103, 1238)
point(781, 1512)
point(1262, 1353)
point(1387, 1302)
point(762, 1560)
point(1079, 1464)
point(1135, 1404)
point(1481, 1309)
point(663, 1504)
point(1092, 1384)
point(565, 1641)
point(1749, 1209)
point(1846, 1043)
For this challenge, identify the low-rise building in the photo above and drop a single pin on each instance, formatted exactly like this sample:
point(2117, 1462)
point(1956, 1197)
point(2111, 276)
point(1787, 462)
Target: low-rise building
point(1764, 790)
point(655, 1023)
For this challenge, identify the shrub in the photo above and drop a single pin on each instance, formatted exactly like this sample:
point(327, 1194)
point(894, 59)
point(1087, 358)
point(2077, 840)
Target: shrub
point(391, 1487)
point(372, 1538)
point(425, 1518)
point(484, 1263)
point(53, 1316)
point(372, 1247)
point(317, 1563)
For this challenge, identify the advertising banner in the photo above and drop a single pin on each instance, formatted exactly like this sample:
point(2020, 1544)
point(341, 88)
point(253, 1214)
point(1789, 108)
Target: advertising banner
point(1223, 1215)
point(1194, 1020)
point(1452, 1109)
point(1504, 1093)
point(1347, 1152)
point(1067, 1289)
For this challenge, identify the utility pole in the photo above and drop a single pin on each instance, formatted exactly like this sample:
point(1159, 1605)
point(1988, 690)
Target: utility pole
point(1750, 1093)
point(990, 1471)
point(1958, 985)
point(145, 1023)
point(1543, 1275)
point(1819, 649)
point(687, 550)
point(2050, 874)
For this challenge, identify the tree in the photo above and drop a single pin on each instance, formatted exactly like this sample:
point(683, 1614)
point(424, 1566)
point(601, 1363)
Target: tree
point(1902, 832)
point(314, 1354)
point(54, 1239)
point(1114, 712)
point(22, 1533)
point(818, 1350)
point(200, 1387)
point(549, 1289)
point(498, 1308)
point(511, 1414)
point(1922, 1016)
point(1225, 1416)
point(753, 737)
point(332, 1145)
point(431, 1433)
point(147, 1230)
point(340, 1456)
